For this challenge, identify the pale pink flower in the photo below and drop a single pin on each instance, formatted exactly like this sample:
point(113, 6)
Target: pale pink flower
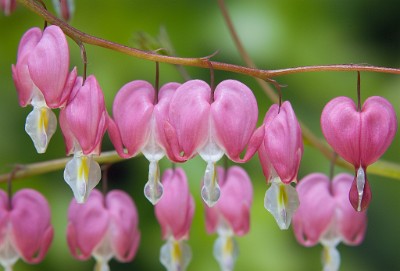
point(42, 79)
point(175, 212)
point(360, 137)
point(138, 126)
point(83, 122)
point(8, 6)
point(230, 215)
point(64, 8)
point(25, 229)
point(280, 155)
point(104, 227)
point(213, 124)
point(326, 216)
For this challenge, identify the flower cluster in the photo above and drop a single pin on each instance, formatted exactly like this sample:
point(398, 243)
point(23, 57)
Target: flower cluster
point(181, 121)
point(175, 212)
point(360, 135)
point(106, 226)
point(231, 215)
point(25, 229)
point(325, 215)
point(43, 80)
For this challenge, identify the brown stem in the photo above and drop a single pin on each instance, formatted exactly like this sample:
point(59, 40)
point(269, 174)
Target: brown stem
point(307, 135)
point(358, 92)
point(84, 60)
point(80, 36)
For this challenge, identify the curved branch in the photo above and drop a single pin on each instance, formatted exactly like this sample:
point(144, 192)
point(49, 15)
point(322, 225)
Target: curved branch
point(53, 165)
point(79, 36)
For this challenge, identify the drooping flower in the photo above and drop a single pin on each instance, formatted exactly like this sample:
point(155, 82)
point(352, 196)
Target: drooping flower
point(42, 79)
point(104, 227)
point(8, 6)
point(360, 137)
point(64, 8)
point(138, 126)
point(25, 229)
point(83, 123)
point(175, 212)
point(325, 215)
point(213, 124)
point(280, 155)
point(230, 215)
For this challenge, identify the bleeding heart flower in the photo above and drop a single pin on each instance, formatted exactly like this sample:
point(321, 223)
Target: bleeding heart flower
point(64, 8)
point(104, 227)
point(25, 229)
point(230, 215)
point(213, 124)
point(360, 137)
point(83, 123)
point(138, 126)
point(325, 215)
point(280, 155)
point(8, 6)
point(42, 79)
point(175, 212)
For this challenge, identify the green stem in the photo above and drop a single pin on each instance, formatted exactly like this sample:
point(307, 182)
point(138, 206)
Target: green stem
point(33, 169)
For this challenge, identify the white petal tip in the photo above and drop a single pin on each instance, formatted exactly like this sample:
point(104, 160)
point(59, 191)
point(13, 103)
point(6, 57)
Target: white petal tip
point(41, 125)
point(281, 201)
point(153, 192)
point(175, 255)
point(211, 195)
point(82, 174)
point(226, 251)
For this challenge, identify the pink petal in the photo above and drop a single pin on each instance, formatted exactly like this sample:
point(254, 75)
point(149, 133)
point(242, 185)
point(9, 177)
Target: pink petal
point(49, 64)
point(353, 195)
point(189, 117)
point(69, 137)
point(234, 114)
point(236, 198)
point(125, 235)
point(316, 210)
point(8, 6)
point(161, 112)
point(175, 209)
point(132, 112)
point(378, 128)
point(20, 71)
point(341, 126)
point(115, 137)
point(4, 215)
point(85, 116)
point(87, 225)
point(32, 232)
point(352, 225)
point(283, 142)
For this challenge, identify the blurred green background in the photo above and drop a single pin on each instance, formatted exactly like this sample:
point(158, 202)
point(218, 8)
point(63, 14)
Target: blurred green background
point(277, 34)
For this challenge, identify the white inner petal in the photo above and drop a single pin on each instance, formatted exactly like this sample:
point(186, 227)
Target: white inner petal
point(41, 125)
point(175, 255)
point(210, 191)
point(8, 254)
point(153, 190)
point(360, 186)
point(82, 173)
point(281, 200)
point(226, 251)
point(103, 253)
point(330, 258)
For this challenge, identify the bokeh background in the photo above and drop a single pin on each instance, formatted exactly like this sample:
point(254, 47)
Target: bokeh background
point(277, 34)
